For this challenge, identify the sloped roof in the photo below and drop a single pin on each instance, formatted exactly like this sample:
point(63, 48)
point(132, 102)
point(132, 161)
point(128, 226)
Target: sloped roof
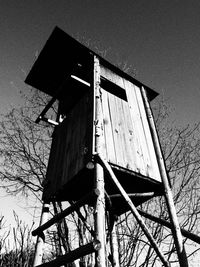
point(59, 57)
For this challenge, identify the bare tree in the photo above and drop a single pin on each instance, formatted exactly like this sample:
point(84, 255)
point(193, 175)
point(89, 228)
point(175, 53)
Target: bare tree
point(17, 247)
point(24, 151)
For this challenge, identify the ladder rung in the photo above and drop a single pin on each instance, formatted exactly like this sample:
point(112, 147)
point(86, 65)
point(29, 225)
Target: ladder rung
point(73, 255)
point(66, 212)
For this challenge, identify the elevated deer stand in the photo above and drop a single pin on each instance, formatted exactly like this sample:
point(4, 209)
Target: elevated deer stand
point(104, 143)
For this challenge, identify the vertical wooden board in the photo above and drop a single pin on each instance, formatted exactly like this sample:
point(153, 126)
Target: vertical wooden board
point(66, 136)
point(153, 164)
point(72, 140)
point(79, 136)
point(83, 133)
point(78, 118)
point(123, 133)
point(75, 150)
point(52, 171)
point(119, 144)
point(90, 125)
point(70, 127)
point(129, 137)
point(60, 159)
point(118, 120)
point(57, 170)
point(108, 125)
point(116, 128)
point(145, 147)
point(108, 131)
point(68, 133)
point(136, 122)
point(103, 148)
point(83, 125)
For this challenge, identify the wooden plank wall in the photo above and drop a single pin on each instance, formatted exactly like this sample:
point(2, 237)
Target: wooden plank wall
point(71, 145)
point(128, 140)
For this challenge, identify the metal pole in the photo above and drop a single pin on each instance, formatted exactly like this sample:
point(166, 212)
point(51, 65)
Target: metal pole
point(40, 240)
point(167, 190)
point(99, 174)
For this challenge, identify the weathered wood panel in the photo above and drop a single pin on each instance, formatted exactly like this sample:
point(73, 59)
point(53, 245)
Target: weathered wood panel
point(108, 130)
point(138, 115)
point(128, 142)
point(71, 146)
point(128, 139)
point(153, 164)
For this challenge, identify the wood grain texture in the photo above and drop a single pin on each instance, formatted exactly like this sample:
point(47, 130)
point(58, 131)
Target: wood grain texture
point(128, 139)
point(152, 167)
point(72, 142)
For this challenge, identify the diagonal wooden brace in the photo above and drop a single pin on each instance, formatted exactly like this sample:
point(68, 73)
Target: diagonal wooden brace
point(132, 207)
point(66, 212)
point(185, 233)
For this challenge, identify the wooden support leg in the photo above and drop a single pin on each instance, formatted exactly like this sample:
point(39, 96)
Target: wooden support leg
point(114, 247)
point(133, 209)
point(89, 197)
point(40, 240)
point(112, 219)
point(100, 218)
point(167, 190)
point(185, 233)
point(99, 173)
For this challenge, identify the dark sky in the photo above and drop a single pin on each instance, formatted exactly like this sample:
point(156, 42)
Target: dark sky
point(160, 38)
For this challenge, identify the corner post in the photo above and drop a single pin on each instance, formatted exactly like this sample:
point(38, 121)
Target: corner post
point(115, 247)
point(99, 173)
point(176, 231)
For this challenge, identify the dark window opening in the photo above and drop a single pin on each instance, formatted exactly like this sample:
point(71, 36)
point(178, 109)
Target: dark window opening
point(113, 88)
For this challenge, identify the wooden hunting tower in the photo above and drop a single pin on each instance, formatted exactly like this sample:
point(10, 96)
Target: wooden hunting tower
point(65, 69)
point(104, 144)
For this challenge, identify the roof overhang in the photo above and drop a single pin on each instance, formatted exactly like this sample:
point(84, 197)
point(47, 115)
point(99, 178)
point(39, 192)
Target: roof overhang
point(63, 56)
